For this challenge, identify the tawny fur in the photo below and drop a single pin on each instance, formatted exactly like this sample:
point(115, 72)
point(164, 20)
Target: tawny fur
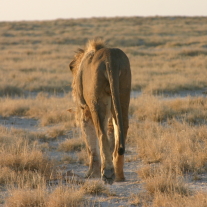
point(101, 89)
point(91, 47)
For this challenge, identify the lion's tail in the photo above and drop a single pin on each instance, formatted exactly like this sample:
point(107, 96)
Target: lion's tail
point(113, 77)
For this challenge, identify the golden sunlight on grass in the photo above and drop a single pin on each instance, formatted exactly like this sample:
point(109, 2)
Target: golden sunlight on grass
point(66, 196)
point(171, 141)
point(48, 110)
point(74, 144)
point(190, 109)
point(95, 188)
point(61, 196)
point(26, 198)
point(167, 135)
point(20, 156)
point(178, 144)
point(166, 54)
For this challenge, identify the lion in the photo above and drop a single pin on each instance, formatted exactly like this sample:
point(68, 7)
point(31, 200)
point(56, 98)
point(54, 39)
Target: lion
point(101, 90)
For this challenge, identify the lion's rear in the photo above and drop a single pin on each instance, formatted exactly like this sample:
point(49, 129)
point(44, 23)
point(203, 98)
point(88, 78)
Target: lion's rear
point(104, 75)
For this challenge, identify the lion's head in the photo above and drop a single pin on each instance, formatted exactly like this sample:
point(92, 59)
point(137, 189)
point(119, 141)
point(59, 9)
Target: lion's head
point(91, 47)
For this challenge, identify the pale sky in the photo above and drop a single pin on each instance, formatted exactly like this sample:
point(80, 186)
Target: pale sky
point(16, 10)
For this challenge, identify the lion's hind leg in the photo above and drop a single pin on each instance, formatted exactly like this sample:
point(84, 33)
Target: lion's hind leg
point(89, 134)
point(111, 135)
point(101, 112)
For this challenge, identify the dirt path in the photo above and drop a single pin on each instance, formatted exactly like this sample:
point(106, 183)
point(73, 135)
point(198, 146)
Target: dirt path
point(121, 192)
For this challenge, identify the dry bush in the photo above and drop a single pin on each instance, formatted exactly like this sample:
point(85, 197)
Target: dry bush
point(166, 127)
point(178, 145)
point(65, 196)
point(150, 146)
point(55, 117)
point(21, 159)
point(26, 198)
point(33, 135)
point(83, 157)
point(166, 54)
point(10, 107)
point(166, 200)
point(6, 90)
point(147, 171)
point(74, 144)
point(7, 175)
point(190, 109)
point(60, 196)
point(166, 182)
point(177, 200)
point(141, 199)
point(163, 179)
point(67, 159)
point(95, 187)
point(171, 133)
point(52, 110)
point(49, 110)
point(151, 108)
point(56, 131)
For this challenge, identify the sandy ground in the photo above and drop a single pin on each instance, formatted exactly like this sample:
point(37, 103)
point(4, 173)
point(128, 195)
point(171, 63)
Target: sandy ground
point(121, 191)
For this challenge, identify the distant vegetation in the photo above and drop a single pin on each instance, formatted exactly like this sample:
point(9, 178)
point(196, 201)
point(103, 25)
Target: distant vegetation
point(167, 135)
point(166, 53)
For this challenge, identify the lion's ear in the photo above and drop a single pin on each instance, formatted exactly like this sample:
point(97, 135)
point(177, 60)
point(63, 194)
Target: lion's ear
point(72, 65)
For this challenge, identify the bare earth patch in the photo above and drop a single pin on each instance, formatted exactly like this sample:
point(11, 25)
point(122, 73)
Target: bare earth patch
point(120, 192)
point(167, 131)
point(19, 122)
point(73, 170)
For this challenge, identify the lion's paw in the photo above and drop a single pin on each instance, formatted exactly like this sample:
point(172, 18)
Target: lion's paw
point(108, 176)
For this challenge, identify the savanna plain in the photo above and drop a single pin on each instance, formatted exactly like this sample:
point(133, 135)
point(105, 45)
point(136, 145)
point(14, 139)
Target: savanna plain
point(42, 155)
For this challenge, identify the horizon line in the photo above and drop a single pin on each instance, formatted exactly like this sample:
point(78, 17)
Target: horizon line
point(106, 17)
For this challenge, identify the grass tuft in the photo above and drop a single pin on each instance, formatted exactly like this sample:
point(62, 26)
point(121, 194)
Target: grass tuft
point(66, 196)
point(7, 90)
point(26, 198)
point(74, 144)
point(95, 188)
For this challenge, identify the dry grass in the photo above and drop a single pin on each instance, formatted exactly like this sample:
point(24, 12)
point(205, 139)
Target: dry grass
point(48, 110)
point(191, 109)
point(60, 196)
point(166, 187)
point(25, 170)
point(83, 157)
point(141, 199)
point(166, 54)
point(65, 196)
point(95, 188)
point(6, 90)
point(68, 159)
point(171, 141)
point(20, 156)
point(21, 160)
point(26, 198)
point(178, 144)
point(56, 131)
point(166, 200)
point(163, 180)
point(197, 200)
point(74, 144)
